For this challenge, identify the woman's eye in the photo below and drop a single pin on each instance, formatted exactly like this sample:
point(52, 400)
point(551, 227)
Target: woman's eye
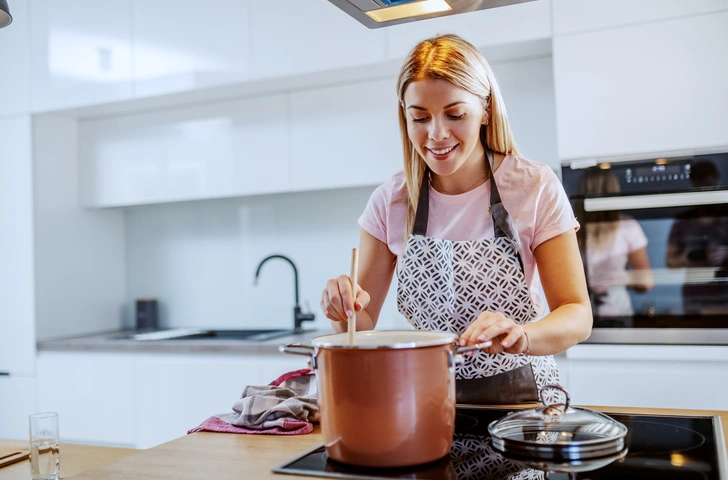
point(456, 117)
point(419, 120)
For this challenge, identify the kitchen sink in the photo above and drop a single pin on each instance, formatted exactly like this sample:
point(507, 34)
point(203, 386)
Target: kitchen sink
point(254, 335)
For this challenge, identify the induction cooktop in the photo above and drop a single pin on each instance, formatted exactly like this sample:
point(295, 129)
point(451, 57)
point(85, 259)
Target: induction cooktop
point(665, 447)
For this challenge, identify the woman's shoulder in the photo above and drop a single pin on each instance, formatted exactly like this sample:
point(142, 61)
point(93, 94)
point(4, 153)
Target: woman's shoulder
point(527, 174)
point(393, 189)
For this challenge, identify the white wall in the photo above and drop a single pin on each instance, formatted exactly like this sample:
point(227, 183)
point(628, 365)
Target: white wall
point(199, 258)
point(79, 254)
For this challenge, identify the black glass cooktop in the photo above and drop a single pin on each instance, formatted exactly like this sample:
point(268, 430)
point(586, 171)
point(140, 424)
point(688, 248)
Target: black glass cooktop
point(659, 447)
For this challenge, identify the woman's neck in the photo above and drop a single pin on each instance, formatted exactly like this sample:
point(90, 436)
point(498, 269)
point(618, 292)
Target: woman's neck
point(465, 179)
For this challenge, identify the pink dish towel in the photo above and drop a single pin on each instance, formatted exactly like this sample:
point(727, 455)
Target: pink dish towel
point(287, 406)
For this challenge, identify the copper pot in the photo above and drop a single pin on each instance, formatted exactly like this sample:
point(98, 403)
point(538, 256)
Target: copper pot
point(389, 399)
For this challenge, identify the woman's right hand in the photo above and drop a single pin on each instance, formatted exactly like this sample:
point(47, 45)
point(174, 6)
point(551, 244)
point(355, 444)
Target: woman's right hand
point(338, 302)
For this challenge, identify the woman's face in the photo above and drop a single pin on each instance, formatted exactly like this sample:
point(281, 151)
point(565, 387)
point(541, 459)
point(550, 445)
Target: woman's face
point(443, 123)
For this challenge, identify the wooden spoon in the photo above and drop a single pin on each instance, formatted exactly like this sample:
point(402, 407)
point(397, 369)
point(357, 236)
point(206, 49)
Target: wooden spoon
point(354, 271)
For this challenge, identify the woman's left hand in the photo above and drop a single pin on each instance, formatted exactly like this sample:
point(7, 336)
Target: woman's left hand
point(506, 335)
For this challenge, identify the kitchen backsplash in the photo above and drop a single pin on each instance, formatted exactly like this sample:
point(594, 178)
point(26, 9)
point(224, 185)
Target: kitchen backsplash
point(199, 258)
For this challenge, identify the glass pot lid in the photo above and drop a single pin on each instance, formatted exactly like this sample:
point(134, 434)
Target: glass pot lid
point(557, 431)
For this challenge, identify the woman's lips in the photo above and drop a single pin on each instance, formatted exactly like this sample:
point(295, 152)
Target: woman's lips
point(442, 153)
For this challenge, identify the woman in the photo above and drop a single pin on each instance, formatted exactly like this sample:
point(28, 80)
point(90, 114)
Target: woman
point(610, 241)
point(467, 262)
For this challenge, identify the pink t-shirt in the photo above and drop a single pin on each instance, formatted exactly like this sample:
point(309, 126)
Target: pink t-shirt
point(607, 264)
point(530, 192)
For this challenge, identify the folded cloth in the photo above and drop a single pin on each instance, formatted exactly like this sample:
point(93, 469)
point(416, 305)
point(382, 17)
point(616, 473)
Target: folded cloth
point(286, 406)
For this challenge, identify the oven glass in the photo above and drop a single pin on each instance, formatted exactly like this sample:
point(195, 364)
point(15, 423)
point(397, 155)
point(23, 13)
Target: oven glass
point(654, 240)
point(659, 269)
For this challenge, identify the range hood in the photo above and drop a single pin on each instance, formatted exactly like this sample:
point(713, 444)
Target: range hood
point(382, 13)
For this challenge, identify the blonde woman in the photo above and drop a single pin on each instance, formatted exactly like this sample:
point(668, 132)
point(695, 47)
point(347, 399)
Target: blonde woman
point(610, 242)
point(471, 229)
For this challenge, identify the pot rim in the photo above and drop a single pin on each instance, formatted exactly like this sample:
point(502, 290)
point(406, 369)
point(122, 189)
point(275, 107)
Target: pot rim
point(386, 340)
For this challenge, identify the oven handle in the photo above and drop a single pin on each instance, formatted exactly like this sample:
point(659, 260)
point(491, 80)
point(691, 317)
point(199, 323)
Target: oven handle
point(657, 200)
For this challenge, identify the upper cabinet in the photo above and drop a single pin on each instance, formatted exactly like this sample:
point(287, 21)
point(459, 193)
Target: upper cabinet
point(184, 44)
point(651, 87)
point(483, 28)
point(215, 150)
point(572, 16)
point(81, 53)
point(15, 61)
point(295, 36)
point(344, 136)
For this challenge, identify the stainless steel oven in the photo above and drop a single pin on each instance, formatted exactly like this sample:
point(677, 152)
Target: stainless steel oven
point(654, 240)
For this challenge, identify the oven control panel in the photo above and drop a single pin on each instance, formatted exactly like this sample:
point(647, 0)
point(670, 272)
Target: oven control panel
point(654, 175)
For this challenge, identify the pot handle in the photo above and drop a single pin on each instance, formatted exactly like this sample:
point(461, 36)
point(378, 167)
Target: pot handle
point(567, 402)
point(477, 346)
point(300, 349)
point(457, 358)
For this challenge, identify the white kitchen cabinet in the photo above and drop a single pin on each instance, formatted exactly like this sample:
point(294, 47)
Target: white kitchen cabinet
point(484, 28)
point(216, 150)
point(93, 393)
point(293, 36)
point(656, 376)
point(17, 288)
point(137, 400)
point(17, 401)
point(527, 87)
point(176, 393)
point(647, 88)
point(15, 61)
point(582, 15)
point(81, 53)
point(344, 136)
point(183, 45)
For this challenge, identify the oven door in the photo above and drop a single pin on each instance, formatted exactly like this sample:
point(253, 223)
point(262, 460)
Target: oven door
point(657, 266)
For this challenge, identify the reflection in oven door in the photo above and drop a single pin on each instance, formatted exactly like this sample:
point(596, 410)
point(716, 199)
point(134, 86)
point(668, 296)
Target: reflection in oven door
point(656, 259)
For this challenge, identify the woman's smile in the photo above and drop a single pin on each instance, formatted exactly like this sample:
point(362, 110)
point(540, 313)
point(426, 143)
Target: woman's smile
point(442, 153)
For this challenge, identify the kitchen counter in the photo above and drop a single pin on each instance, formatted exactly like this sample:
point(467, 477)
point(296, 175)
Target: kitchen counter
point(109, 342)
point(74, 459)
point(230, 456)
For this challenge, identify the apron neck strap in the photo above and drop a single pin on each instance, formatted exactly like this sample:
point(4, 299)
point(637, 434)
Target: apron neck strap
point(423, 206)
point(489, 164)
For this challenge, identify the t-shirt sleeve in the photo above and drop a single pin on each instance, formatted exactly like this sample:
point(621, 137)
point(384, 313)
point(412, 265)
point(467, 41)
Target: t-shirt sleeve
point(636, 237)
point(554, 214)
point(374, 218)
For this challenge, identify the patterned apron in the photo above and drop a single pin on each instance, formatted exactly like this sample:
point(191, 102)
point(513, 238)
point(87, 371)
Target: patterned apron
point(444, 285)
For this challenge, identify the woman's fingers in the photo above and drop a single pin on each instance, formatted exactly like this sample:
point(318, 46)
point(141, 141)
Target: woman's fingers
point(347, 296)
point(332, 301)
point(337, 300)
point(362, 299)
point(505, 334)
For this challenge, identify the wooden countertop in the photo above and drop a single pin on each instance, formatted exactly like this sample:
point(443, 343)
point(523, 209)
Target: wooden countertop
point(74, 459)
point(227, 456)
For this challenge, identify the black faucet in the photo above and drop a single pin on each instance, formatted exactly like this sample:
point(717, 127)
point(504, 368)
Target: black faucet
point(298, 317)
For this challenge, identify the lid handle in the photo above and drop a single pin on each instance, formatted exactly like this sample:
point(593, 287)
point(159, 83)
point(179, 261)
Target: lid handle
point(555, 387)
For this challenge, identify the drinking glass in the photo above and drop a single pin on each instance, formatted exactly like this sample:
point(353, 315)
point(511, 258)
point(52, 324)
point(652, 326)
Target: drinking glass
point(45, 455)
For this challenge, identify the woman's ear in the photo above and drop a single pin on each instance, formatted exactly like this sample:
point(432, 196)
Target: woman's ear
point(486, 113)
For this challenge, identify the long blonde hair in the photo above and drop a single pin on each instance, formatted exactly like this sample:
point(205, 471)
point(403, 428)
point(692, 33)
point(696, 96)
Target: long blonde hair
point(599, 228)
point(450, 58)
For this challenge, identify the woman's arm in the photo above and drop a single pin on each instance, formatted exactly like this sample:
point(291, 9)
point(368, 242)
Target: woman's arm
point(562, 276)
point(570, 321)
point(641, 279)
point(376, 266)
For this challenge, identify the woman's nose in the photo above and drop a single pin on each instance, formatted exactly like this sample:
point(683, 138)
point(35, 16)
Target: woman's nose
point(437, 130)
